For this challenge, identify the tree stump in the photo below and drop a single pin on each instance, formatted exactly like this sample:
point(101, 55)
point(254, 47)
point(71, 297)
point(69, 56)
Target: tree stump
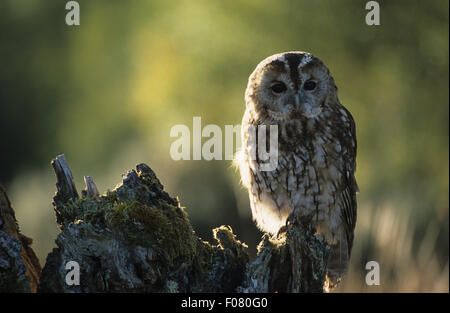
point(137, 238)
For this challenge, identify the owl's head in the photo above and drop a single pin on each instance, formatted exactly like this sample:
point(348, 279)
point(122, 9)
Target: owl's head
point(290, 85)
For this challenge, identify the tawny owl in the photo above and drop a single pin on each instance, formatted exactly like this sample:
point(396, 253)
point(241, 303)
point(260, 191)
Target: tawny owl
point(316, 152)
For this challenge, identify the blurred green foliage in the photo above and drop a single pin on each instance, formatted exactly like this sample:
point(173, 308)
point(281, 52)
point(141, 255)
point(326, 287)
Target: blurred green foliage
point(107, 92)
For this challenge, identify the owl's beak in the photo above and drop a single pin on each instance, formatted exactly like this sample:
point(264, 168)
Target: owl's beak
point(297, 101)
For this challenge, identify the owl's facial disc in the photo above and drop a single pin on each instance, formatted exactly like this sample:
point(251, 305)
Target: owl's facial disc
point(284, 100)
point(290, 85)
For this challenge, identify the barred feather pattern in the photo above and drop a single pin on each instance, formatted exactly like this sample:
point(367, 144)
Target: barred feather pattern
point(316, 155)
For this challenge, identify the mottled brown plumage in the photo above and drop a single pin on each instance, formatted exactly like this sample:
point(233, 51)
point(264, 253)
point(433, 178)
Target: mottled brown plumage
point(316, 152)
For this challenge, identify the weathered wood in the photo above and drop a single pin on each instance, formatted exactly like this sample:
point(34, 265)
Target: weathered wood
point(91, 190)
point(65, 189)
point(136, 238)
point(19, 265)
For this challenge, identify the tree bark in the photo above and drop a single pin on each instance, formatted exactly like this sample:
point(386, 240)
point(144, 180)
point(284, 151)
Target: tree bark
point(136, 238)
point(19, 265)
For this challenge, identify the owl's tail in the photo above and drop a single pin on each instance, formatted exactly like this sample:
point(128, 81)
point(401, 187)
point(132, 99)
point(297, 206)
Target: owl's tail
point(337, 264)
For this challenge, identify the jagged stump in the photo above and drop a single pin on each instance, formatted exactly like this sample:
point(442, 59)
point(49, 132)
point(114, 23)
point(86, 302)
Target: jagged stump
point(136, 238)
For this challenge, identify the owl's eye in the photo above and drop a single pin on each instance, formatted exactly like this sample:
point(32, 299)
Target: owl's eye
point(278, 87)
point(309, 85)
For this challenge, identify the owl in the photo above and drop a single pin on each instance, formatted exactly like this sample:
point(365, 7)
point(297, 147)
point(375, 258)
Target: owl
point(316, 163)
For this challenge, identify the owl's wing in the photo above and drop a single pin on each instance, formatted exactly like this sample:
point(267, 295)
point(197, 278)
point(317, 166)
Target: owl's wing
point(350, 187)
point(348, 212)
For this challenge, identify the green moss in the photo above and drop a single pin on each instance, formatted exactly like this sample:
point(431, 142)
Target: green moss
point(109, 199)
point(76, 209)
point(164, 227)
point(227, 240)
point(206, 256)
point(139, 222)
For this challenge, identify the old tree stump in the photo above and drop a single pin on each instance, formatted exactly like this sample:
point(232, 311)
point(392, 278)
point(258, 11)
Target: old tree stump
point(137, 238)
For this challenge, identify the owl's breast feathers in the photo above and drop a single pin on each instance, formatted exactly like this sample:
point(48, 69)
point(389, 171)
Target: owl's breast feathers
point(315, 174)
